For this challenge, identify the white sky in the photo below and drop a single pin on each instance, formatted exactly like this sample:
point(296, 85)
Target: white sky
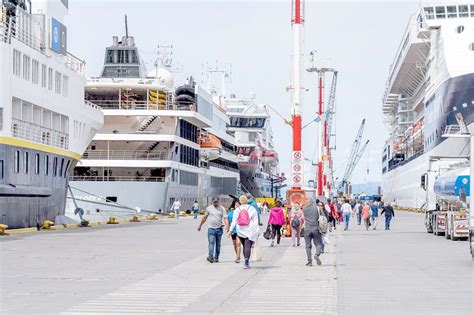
point(359, 39)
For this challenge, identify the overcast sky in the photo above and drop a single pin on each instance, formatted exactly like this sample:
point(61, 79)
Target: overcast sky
point(359, 39)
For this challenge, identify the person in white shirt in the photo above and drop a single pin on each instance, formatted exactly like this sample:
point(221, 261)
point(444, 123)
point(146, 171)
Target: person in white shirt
point(176, 207)
point(247, 227)
point(346, 212)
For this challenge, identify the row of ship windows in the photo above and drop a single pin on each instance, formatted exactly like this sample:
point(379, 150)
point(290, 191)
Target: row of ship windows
point(59, 168)
point(28, 69)
point(450, 11)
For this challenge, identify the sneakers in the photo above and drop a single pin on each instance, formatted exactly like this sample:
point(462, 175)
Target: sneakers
point(318, 260)
point(272, 244)
point(246, 266)
point(298, 244)
point(309, 264)
point(210, 259)
point(216, 259)
point(237, 260)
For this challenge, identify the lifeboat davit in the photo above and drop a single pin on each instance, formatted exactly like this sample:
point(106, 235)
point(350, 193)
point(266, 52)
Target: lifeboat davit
point(270, 157)
point(211, 147)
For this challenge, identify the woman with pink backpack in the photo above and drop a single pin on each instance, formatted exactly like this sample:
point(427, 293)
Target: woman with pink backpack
point(296, 223)
point(245, 220)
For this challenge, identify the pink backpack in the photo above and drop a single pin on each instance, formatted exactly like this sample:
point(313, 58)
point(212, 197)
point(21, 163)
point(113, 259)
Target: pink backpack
point(243, 218)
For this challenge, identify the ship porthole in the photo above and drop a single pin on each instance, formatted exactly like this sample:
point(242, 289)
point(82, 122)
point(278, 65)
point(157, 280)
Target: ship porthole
point(471, 46)
point(460, 29)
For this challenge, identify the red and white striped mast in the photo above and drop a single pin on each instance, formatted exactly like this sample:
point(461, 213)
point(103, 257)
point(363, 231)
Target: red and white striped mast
point(297, 25)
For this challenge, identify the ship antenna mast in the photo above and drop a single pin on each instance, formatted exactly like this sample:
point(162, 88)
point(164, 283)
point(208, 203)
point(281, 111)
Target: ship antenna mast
point(126, 26)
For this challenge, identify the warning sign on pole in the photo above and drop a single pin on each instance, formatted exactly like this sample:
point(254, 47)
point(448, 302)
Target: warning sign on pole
point(297, 163)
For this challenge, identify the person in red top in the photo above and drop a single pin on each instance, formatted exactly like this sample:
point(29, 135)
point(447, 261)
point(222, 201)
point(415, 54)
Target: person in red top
point(332, 214)
point(276, 220)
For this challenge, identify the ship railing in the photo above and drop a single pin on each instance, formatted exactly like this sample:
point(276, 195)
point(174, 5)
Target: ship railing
point(126, 155)
point(117, 178)
point(452, 129)
point(91, 105)
point(24, 27)
point(142, 105)
point(223, 167)
point(74, 63)
point(36, 133)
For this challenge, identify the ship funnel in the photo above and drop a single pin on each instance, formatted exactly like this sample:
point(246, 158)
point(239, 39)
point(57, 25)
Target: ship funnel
point(115, 41)
point(131, 41)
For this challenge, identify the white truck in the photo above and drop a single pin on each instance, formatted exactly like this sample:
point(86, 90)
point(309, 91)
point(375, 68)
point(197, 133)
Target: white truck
point(447, 184)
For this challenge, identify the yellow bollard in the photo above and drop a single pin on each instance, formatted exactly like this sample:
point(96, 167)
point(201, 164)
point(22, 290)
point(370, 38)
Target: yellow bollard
point(3, 228)
point(47, 224)
point(135, 218)
point(112, 220)
point(182, 213)
point(152, 216)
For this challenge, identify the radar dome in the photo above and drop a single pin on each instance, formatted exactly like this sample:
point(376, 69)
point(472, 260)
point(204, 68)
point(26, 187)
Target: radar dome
point(165, 78)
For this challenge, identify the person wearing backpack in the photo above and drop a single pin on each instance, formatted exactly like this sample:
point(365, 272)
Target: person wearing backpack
point(366, 215)
point(316, 223)
point(276, 221)
point(245, 220)
point(296, 223)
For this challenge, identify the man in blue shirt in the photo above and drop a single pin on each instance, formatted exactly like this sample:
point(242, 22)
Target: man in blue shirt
point(374, 206)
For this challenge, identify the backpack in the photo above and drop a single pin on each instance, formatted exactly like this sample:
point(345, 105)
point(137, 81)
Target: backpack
point(243, 218)
point(295, 223)
point(323, 223)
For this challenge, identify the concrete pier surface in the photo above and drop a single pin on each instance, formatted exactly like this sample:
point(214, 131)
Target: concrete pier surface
point(154, 267)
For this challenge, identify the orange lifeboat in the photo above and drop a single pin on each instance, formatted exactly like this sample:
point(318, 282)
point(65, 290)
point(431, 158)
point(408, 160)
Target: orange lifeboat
point(211, 147)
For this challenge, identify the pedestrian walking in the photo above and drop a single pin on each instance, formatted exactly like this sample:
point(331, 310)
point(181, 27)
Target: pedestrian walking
point(233, 233)
point(312, 231)
point(375, 213)
point(389, 214)
point(265, 206)
point(195, 209)
point(346, 212)
point(325, 232)
point(296, 223)
point(176, 207)
point(358, 212)
point(339, 212)
point(216, 214)
point(276, 220)
point(333, 215)
point(253, 203)
point(245, 219)
point(366, 215)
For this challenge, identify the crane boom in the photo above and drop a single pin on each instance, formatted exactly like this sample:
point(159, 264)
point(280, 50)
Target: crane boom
point(354, 157)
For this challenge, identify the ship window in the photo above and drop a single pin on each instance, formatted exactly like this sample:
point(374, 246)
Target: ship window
point(17, 161)
point(471, 46)
point(134, 57)
point(57, 82)
point(452, 11)
point(460, 29)
point(55, 167)
point(1, 168)
point(16, 62)
point(111, 199)
point(50, 79)
point(43, 76)
point(35, 71)
point(429, 12)
point(26, 162)
point(61, 168)
point(37, 163)
point(440, 12)
point(110, 56)
point(67, 167)
point(463, 10)
point(26, 67)
point(472, 10)
point(46, 165)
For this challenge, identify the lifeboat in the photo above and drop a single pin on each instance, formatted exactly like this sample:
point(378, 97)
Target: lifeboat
point(211, 147)
point(270, 157)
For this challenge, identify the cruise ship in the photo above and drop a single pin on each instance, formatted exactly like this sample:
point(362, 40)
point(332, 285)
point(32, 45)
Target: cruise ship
point(45, 124)
point(429, 93)
point(159, 143)
point(250, 124)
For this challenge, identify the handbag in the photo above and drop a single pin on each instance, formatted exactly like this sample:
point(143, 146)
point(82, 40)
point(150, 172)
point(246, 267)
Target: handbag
point(268, 232)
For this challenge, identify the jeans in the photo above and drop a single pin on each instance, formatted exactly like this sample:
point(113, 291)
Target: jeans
point(359, 218)
point(375, 220)
point(214, 237)
point(367, 223)
point(295, 233)
point(347, 216)
point(176, 214)
point(196, 212)
point(388, 219)
point(313, 235)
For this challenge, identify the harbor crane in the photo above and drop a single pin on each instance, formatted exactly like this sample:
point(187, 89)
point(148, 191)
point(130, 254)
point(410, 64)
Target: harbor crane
point(354, 158)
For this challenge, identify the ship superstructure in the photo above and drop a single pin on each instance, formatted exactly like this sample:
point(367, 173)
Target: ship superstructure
point(158, 144)
point(45, 124)
point(258, 164)
point(429, 93)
